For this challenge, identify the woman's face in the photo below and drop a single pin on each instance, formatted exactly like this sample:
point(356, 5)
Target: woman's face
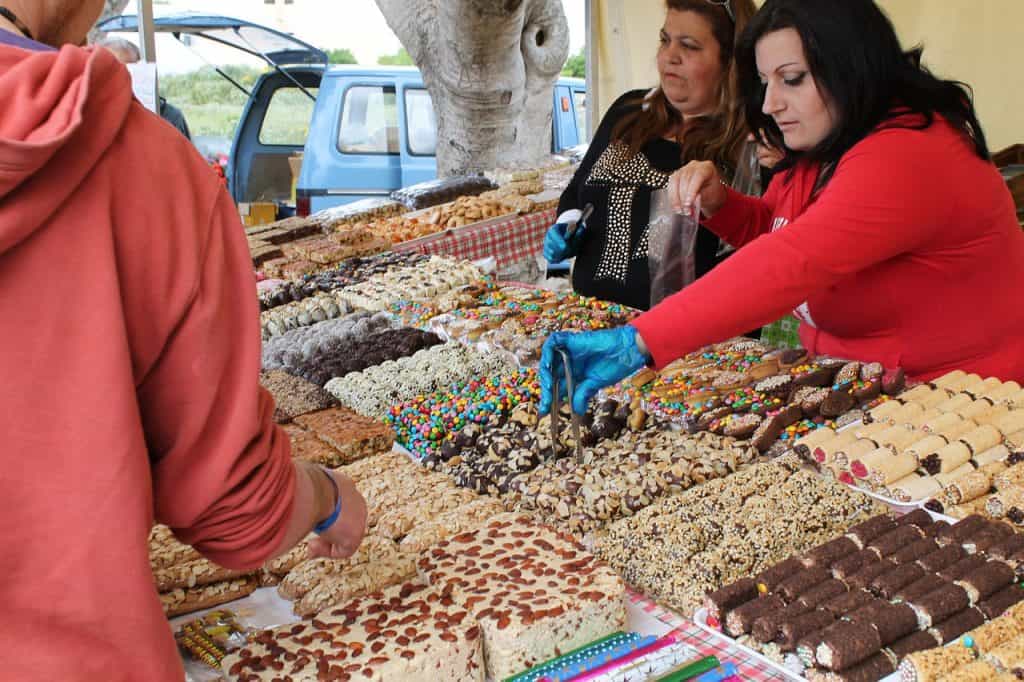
point(689, 63)
point(804, 114)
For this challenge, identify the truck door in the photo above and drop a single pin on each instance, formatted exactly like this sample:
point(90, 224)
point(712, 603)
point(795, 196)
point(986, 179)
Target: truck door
point(273, 127)
point(363, 158)
point(564, 134)
point(419, 135)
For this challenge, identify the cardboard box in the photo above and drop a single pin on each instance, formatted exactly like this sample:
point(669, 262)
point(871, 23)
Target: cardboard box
point(295, 163)
point(257, 213)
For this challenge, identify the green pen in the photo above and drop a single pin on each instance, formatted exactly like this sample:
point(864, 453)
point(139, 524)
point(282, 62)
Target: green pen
point(691, 670)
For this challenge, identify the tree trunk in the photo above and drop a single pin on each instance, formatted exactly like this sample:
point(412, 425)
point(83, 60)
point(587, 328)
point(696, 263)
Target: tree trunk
point(111, 8)
point(489, 66)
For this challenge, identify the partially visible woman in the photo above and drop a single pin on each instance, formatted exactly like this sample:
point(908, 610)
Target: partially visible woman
point(887, 229)
point(694, 113)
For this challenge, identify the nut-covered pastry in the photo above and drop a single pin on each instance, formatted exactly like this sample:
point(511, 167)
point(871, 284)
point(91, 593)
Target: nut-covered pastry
point(432, 639)
point(535, 592)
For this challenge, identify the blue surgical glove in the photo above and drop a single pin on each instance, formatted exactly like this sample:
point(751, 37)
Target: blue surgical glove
point(597, 359)
point(558, 247)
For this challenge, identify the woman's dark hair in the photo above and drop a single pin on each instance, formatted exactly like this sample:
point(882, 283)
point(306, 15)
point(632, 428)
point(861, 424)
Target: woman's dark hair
point(855, 59)
point(719, 137)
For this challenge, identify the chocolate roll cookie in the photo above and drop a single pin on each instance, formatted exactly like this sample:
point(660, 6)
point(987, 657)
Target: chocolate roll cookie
point(845, 644)
point(939, 605)
point(722, 601)
point(740, 621)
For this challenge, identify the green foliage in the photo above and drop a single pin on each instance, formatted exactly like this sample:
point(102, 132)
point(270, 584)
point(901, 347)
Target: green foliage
point(342, 55)
point(576, 65)
point(212, 105)
point(400, 58)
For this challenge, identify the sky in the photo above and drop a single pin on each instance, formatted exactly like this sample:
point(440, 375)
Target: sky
point(355, 24)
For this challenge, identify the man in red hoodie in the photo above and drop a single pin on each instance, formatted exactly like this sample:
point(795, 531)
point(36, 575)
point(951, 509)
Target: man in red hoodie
point(131, 352)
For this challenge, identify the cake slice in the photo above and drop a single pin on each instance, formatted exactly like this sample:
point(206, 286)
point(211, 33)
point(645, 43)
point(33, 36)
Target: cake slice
point(406, 632)
point(352, 435)
point(535, 592)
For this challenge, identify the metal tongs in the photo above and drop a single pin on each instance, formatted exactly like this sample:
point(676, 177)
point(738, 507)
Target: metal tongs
point(556, 408)
point(587, 210)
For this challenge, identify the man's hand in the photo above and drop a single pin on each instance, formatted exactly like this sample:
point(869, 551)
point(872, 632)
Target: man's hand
point(343, 538)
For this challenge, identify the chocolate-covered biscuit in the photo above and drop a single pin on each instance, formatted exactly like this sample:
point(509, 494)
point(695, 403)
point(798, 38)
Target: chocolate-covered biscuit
point(892, 621)
point(792, 630)
point(823, 592)
point(868, 573)
point(829, 553)
point(944, 558)
point(918, 517)
point(994, 606)
point(918, 641)
point(850, 565)
point(866, 531)
point(915, 551)
point(845, 644)
point(896, 539)
point(740, 621)
point(929, 583)
point(889, 583)
point(769, 578)
point(1007, 547)
point(953, 627)
point(801, 581)
point(981, 583)
point(848, 602)
point(767, 627)
point(939, 605)
point(961, 568)
point(722, 601)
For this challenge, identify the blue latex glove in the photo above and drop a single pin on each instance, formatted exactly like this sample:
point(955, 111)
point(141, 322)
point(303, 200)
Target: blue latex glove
point(558, 247)
point(597, 359)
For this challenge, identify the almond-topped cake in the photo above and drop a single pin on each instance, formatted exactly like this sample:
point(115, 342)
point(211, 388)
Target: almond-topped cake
point(407, 632)
point(535, 592)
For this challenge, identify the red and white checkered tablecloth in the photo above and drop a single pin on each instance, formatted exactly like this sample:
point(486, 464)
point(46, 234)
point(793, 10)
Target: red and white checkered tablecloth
point(507, 241)
point(707, 644)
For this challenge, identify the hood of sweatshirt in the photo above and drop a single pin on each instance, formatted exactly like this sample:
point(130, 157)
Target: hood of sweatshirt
point(61, 111)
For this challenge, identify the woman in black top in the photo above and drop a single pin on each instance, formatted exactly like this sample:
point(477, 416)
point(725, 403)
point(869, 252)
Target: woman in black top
point(692, 114)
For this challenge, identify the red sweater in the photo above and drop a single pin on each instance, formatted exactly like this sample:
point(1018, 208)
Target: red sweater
point(130, 344)
point(910, 256)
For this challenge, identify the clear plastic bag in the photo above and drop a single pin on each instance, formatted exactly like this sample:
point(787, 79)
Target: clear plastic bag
point(670, 253)
point(747, 180)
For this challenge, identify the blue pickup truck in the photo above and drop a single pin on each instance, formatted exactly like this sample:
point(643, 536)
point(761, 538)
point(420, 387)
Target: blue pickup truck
point(370, 130)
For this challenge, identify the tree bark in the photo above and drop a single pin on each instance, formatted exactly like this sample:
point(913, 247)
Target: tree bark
point(111, 8)
point(489, 66)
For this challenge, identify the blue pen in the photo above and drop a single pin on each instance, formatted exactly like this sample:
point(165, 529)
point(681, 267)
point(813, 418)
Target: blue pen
point(718, 674)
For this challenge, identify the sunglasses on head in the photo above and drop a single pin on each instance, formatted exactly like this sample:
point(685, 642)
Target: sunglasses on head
point(726, 5)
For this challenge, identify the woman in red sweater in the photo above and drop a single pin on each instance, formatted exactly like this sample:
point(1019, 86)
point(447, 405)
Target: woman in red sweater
point(886, 229)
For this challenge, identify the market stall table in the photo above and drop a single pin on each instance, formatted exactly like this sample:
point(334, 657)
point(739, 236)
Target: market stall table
point(508, 241)
point(265, 608)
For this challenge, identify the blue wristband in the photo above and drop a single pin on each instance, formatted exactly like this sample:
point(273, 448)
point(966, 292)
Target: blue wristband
point(329, 521)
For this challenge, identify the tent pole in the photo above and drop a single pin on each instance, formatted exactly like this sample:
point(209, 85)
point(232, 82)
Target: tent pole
point(592, 75)
point(147, 42)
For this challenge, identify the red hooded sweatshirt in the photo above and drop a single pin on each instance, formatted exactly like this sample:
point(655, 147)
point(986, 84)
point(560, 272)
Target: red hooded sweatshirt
point(910, 256)
point(130, 350)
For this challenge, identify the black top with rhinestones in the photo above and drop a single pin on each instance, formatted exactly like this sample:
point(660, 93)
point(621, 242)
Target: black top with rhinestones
point(612, 263)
